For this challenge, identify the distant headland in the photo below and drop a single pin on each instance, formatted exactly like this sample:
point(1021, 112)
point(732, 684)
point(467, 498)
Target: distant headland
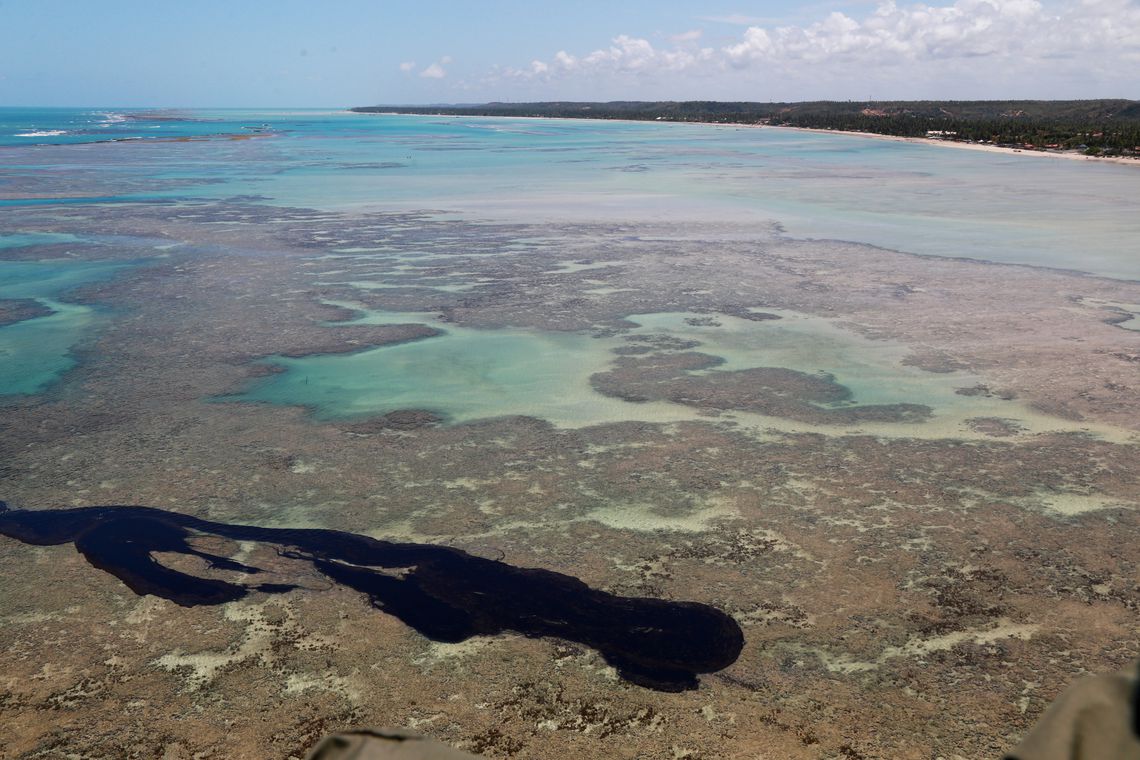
point(1100, 128)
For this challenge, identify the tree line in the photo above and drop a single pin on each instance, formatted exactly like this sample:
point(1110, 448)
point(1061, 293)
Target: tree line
point(1107, 126)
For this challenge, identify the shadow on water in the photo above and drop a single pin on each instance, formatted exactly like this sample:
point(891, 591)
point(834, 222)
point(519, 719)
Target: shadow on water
point(444, 593)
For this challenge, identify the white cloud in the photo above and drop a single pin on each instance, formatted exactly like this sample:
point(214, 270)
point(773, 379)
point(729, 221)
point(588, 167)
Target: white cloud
point(994, 48)
point(966, 29)
point(407, 66)
point(625, 55)
point(690, 36)
point(436, 70)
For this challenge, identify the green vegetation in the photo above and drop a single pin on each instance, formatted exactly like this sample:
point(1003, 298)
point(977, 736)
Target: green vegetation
point(1099, 127)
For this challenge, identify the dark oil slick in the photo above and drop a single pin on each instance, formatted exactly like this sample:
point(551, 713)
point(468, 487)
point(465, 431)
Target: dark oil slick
point(444, 593)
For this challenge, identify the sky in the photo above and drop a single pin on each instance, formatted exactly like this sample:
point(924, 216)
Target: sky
point(336, 53)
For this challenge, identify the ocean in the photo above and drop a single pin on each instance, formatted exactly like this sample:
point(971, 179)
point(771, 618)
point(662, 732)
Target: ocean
point(928, 200)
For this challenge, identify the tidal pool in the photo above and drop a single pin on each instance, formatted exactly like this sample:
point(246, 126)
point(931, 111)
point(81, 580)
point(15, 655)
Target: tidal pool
point(466, 374)
point(462, 375)
point(871, 369)
point(22, 239)
point(35, 352)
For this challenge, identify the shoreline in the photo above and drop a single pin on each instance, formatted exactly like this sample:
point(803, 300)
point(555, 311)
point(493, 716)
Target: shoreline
point(984, 148)
point(1071, 156)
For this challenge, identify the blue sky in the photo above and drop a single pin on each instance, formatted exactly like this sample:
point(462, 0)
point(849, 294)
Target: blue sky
point(207, 53)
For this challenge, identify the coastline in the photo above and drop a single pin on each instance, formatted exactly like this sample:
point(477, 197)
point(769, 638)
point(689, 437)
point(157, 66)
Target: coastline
point(1069, 155)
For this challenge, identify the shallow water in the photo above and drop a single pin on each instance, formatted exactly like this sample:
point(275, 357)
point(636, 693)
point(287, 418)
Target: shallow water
point(466, 374)
point(35, 352)
point(463, 375)
point(916, 198)
point(20, 240)
point(922, 199)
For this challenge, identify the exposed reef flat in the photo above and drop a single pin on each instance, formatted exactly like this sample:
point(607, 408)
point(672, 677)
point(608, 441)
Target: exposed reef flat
point(772, 391)
point(20, 309)
point(905, 589)
point(351, 339)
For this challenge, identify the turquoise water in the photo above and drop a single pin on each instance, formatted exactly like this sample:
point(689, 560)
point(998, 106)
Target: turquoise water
point(917, 198)
point(71, 126)
point(465, 374)
point(21, 240)
point(462, 375)
point(34, 353)
point(922, 199)
point(48, 279)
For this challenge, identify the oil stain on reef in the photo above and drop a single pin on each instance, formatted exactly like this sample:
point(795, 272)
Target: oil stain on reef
point(446, 594)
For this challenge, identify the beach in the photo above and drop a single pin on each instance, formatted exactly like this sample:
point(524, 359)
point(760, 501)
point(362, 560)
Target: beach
point(1068, 154)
